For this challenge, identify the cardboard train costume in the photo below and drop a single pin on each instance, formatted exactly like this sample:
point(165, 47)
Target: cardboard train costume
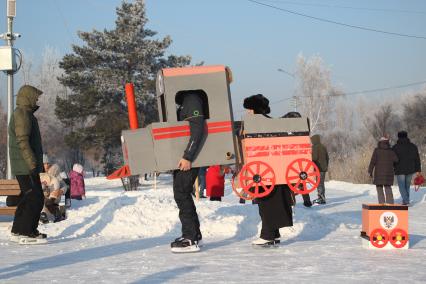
point(266, 151)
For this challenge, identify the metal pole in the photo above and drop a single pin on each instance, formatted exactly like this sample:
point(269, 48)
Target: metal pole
point(10, 103)
point(295, 103)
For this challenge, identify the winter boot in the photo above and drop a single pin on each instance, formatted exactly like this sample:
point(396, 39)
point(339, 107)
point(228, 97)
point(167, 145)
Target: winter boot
point(262, 243)
point(14, 237)
point(182, 245)
point(319, 201)
point(43, 218)
point(35, 238)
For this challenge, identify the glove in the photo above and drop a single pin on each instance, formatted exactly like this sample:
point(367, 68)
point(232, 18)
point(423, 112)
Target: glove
point(34, 171)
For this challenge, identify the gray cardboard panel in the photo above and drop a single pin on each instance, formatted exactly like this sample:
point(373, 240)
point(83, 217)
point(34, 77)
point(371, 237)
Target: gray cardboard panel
point(140, 150)
point(214, 149)
point(257, 123)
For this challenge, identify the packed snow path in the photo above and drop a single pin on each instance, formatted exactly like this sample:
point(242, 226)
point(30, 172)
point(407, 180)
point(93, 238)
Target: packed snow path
point(118, 237)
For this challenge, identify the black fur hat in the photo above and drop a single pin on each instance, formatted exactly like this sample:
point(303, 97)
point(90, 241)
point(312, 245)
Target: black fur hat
point(402, 134)
point(258, 103)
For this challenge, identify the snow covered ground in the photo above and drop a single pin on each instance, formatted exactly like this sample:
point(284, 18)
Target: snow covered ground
point(123, 237)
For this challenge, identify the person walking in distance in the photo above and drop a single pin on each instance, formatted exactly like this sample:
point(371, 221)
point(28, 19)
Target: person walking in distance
point(408, 164)
point(26, 159)
point(321, 159)
point(382, 162)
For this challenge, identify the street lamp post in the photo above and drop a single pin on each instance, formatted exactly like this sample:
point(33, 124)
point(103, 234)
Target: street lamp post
point(8, 64)
point(293, 76)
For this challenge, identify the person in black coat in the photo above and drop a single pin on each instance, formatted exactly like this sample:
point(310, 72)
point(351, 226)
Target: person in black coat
point(408, 164)
point(191, 110)
point(382, 162)
point(275, 209)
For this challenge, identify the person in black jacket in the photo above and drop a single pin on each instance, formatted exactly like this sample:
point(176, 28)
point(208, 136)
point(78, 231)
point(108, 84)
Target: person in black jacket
point(408, 164)
point(382, 162)
point(191, 110)
point(274, 209)
point(306, 198)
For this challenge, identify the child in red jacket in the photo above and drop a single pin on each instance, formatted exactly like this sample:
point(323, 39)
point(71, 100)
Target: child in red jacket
point(215, 183)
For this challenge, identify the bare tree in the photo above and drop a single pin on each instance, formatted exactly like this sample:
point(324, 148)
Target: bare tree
point(414, 122)
point(26, 69)
point(44, 76)
point(315, 92)
point(383, 123)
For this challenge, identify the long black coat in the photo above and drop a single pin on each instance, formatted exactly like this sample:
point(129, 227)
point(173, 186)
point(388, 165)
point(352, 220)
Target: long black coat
point(275, 209)
point(408, 156)
point(382, 162)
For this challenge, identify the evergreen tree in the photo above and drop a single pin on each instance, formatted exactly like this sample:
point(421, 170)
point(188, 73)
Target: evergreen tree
point(97, 71)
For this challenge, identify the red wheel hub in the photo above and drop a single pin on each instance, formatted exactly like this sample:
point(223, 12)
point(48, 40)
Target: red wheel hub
point(257, 179)
point(379, 238)
point(302, 176)
point(398, 238)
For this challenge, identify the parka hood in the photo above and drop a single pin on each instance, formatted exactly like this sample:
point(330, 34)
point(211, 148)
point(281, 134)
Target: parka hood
point(27, 97)
point(316, 139)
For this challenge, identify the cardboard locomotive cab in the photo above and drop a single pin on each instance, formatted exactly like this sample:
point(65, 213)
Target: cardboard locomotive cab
point(160, 146)
point(385, 226)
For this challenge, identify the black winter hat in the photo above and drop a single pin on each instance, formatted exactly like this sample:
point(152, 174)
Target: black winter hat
point(402, 134)
point(258, 103)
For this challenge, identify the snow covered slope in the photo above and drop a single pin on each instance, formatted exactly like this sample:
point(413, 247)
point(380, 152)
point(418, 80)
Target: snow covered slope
point(123, 237)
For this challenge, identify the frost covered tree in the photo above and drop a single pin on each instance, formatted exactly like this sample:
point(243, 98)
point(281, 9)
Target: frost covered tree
point(414, 118)
point(314, 91)
point(97, 71)
point(383, 123)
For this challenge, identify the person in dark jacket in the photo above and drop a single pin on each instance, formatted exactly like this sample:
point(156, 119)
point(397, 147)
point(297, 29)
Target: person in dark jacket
point(274, 209)
point(191, 110)
point(321, 159)
point(306, 198)
point(26, 159)
point(408, 164)
point(381, 163)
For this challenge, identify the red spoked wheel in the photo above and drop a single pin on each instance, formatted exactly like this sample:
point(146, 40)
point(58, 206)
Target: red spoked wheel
point(257, 179)
point(240, 191)
point(379, 237)
point(398, 238)
point(302, 176)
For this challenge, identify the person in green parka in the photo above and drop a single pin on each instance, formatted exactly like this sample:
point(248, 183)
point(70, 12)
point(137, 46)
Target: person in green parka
point(26, 158)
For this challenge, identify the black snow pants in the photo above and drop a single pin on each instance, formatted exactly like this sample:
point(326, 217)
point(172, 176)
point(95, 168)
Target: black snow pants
point(28, 211)
point(183, 182)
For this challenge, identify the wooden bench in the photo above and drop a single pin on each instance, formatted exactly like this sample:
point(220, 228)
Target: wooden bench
point(8, 187)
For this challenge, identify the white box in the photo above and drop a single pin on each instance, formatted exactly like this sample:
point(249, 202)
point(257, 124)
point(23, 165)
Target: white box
point(7, 58)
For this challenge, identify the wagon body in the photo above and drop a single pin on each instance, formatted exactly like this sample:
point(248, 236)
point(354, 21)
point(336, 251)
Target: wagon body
point(275, 151)
point(277, 142)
